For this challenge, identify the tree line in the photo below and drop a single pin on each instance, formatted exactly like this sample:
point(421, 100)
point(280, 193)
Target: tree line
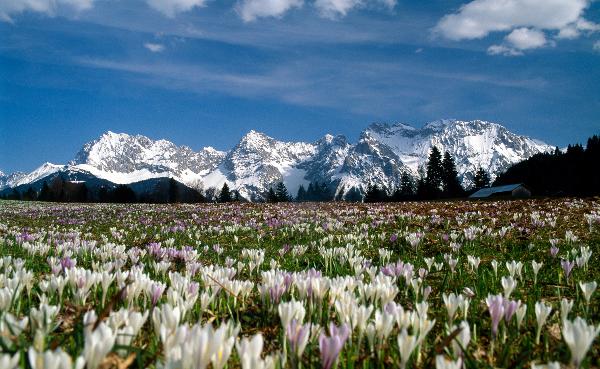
point(438, 180)
point(573, 172)
point(62, 190)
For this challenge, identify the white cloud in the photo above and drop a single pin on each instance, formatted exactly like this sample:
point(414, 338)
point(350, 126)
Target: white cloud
point(518, 40)
point(574, 30)
point(525, 38)
point(155, 48)
point(250, 10)
point(528, 23)
point(480, 17)
point(171, 8)
point(9, 8)
point(503, 50)
point(334, 9)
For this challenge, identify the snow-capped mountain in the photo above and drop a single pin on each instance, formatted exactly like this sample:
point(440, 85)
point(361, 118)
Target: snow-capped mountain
point(122, 158)
point(18, 178)
point(258, 161)
point(473, 144)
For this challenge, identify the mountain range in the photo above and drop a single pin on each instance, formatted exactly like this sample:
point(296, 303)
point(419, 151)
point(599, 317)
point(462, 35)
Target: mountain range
point(382, 152)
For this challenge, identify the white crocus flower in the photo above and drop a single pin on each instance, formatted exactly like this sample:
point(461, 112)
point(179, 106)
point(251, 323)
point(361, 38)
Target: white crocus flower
point(508, 284)
point(384, 323)
point(165, 320)
point(461, 341)
point(291, 310)
point(43, 317)
point(588, 289)
point(542, 311)
point(406, 345)
point(495, 267)
point(249, 351)
point(53, 360)
point(536, 269)
point(224, 339)
point(579, 337)
point(520, 314)
point(452, 302)
point(9, 362)
point(98, 343)
point(566, 306)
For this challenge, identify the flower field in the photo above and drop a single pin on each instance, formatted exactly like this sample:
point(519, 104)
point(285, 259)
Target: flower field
point(309, 285)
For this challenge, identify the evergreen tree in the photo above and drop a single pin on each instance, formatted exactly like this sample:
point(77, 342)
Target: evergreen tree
point(450, 182)
point(83, 193)
point(435, 173)
point(301, 195)
point(482, 179)
point(14, 195)
point(122, 194)
point(271, 195)
point(325, 194)
point(281, 193)
point(375, 194)
point(407, 185)
point(353, 195)
point(225, 195)
point(103, 195)
point(45, 194)
point(57, 189)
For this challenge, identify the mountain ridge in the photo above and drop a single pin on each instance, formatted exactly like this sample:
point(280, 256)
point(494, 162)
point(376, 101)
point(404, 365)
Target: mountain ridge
point(258, 161)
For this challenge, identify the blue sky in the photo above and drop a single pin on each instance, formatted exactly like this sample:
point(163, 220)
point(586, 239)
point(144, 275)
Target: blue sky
point(204, 72)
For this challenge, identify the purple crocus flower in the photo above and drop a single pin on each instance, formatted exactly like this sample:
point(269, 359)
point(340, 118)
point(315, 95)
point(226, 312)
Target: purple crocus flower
point(157, 291)
point(297, 336)
point(567, 267)
point(554, 251)
point(193, 288)
point(67, 263)
point(275, 292)
point(495, 304)
point(426, 292)
point(330, 347)
point(510, 307)
point(393, 238)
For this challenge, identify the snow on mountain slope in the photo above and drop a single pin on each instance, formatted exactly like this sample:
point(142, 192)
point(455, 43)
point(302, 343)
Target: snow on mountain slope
point(328, 159)
point(258, 161)
point(122, 158)
point(473, 144)
point(43, 171)
point(8, 180)
point(370, 162)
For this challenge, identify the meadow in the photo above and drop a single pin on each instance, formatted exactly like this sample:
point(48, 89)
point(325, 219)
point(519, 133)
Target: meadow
point(495, 284)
